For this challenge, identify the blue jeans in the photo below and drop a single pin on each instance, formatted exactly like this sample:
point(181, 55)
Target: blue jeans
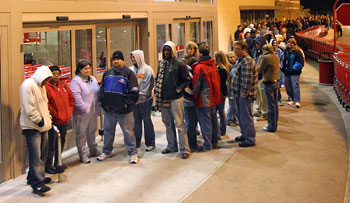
point(232, 111)
point(191, 121)
point(37, 152)
point(271, 94)
point(281, 78)
point(223, 119)
point(209, 126)
point(141, 112)
point(171, 117)
point(126, 122)
point(292, 87)
point(245, 118)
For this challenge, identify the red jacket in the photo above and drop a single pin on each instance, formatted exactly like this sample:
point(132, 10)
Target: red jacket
point(61, 102)
point(206, 83)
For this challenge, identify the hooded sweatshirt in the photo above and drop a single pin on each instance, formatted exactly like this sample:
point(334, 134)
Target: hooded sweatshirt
point(34, 102)
point(145, 77)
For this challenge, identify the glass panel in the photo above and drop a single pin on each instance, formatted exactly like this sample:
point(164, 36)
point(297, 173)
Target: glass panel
point(208, 34)
point(47, 48)
point(101, 50)
point(194, 32)
point(83, 45)
point(188, 0)
point(163, 35)
point(124, 39)
point(179, 39)
point(206, 1)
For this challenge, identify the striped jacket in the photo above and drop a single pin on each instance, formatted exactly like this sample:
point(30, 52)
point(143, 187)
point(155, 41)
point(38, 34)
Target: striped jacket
point(244, 79)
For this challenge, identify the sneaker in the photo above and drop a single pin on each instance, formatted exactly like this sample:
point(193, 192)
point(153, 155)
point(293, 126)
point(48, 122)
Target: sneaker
point(134, 159)
point(150, 148)
point(84, 159)
point(288, 99)
point(103, 156)
point(262, 118)
point(291, 103)
point(185, 155)
point(167, 151)
point(96, 154)
point(297, 105)
point(246, 144)
point(40, 189)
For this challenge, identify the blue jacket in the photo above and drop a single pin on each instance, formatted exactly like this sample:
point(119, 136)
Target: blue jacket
point(119, 90)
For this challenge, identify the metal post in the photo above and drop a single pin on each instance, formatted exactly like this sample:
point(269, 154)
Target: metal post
point(59, 167)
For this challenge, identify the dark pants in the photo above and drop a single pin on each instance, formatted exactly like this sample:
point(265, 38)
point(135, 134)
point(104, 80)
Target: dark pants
point(53, 143)
point(208, 122)
point(191, 121)
point(223, 119)
point(245, 118)
point(37, 154)
point(141, 112)
point(271, 94)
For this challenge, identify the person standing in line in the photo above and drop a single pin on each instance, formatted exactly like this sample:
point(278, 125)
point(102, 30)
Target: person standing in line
point(221, 63)
point(280, 55)
point(238, 32)
point(143, 107)
point(191, 119)
point(231, 111)
point(292, 68)
point(35, 121)
point(61, 104)
point(207, 95)
point(86, 109)
point(172, 79)
point(270, 65)
point(243, 90)
point(119, 92)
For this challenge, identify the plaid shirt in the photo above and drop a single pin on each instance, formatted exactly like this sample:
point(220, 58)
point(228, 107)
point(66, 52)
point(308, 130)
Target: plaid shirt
point(244, 78)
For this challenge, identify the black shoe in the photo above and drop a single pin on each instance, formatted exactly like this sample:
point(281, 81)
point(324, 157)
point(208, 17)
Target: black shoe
point(185, 155)
point(246, 144)
point(40, 189)
point(47, 180)
point(216, 146)
point(202, 149)
point(267, 129)
point(239, 139)
point(167, 151)
point(50, 170)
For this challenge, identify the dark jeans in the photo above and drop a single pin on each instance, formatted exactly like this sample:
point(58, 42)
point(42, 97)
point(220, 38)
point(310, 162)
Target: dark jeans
point(191, 121)
point(53, 143)
point(208, 122)
point(232, 111)
point(245, 118)
point(37, 153)
point(223, 119)
point(271, 94)
point(141, 112)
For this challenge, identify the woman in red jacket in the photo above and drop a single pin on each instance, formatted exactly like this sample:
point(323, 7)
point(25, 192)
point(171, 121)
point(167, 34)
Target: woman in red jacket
point(61, 103)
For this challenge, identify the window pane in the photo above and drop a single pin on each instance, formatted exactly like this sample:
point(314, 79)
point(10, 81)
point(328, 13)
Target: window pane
point(163, 35)
point(194, 31)
point(83, 45)
point(208, 34)
point(206, 1)
point(47, 48)
point(179, 39)
point(124, 39)
point(101, 50)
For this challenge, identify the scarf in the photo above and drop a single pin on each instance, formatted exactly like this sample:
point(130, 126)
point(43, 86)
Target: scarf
point(158, 89)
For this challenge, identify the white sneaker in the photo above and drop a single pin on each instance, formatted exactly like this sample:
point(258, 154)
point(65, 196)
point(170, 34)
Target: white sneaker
point(134, 159)
point(291, 103)
point(150, 148)
point(297, 105)
point(84, 159)
point(103, 156)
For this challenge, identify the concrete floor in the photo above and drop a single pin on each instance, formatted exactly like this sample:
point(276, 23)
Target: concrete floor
point(306, 160)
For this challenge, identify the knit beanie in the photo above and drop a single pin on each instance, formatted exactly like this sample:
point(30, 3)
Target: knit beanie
point(118, 55)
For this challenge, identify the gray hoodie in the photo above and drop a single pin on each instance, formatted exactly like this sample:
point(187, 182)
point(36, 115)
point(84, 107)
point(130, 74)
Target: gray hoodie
point(145, 77)
point(34, 101)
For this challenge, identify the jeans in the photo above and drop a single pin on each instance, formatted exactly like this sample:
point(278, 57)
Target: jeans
point(141, 112)
point(292, 87)
point(261, 100)
point(171, 117)
point(85, 130)
point(126, 122)
point(209, 126)
point(271, 93)
point(232, 111)
point(281, 77)
point(245, 118)
point(223, 119)
point(37, 153)
point(191, 121)
point(53, 143)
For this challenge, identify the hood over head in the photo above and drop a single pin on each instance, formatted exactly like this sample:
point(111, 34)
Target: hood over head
point(139, 57)
point(260, 40)
point(172, 46)
point(42, 73)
